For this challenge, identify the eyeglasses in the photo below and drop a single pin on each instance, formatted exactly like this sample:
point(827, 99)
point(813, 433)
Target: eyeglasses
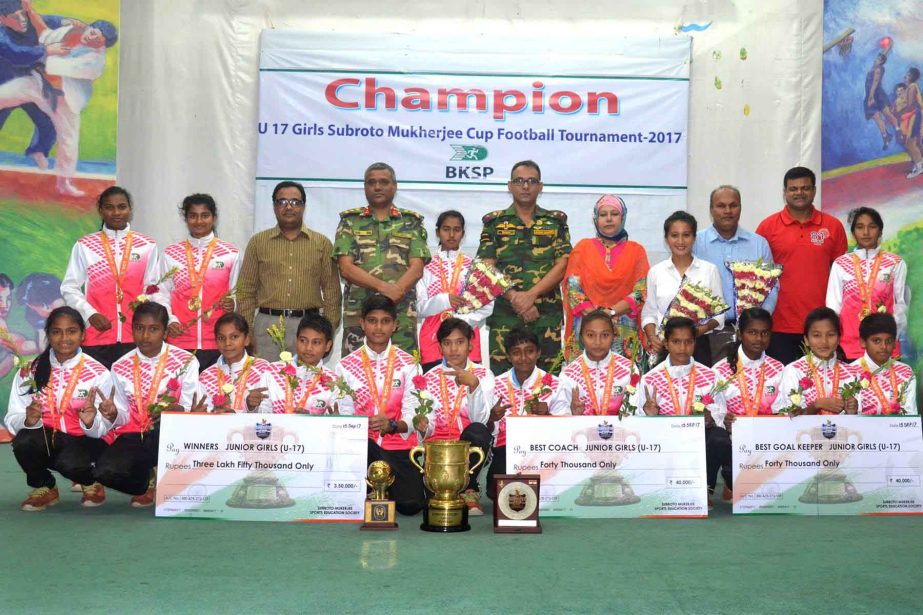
point(527, 181)
point(289, 202)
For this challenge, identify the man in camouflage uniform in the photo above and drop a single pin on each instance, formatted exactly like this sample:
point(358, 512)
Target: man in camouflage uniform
point(380, 249)
point(530, 245)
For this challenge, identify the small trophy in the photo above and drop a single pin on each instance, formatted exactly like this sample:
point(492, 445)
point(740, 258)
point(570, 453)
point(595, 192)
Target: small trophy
point(379, 510)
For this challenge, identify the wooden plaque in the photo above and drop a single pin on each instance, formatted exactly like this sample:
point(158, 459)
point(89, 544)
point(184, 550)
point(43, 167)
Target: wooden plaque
point(379, 515)
point(516, 504)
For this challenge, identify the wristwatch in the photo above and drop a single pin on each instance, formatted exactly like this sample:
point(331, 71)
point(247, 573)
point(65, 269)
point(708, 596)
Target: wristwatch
point(392, 426)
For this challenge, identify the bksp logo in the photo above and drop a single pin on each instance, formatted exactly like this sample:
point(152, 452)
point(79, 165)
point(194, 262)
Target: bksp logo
point(469, 152)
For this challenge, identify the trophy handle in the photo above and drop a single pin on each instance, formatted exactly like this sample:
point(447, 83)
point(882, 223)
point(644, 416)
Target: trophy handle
point(413, 457)
point(480, 453)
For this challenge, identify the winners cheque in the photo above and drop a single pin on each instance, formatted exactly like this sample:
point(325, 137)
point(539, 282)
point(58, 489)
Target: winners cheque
point(828, 465)
point(598, 466)
point(262, 467)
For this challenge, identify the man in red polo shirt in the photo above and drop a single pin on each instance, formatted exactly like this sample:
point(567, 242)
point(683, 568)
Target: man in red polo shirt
point(805, 241)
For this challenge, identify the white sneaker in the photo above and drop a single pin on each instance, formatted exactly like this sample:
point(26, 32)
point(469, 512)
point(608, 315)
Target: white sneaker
point(916, 170)
point(76, 488)
point(66, 188)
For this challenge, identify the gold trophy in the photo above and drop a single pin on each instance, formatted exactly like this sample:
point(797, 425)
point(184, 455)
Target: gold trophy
point(379, 510)
point(261, 443)
point(445, 472)
point(607, 487)
point(830, 485)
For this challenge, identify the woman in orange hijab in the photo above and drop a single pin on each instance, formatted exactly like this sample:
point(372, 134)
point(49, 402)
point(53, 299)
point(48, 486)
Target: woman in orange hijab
point(609, 272)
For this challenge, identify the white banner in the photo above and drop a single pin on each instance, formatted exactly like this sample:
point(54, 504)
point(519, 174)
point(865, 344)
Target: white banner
point(249, 467)
point(454, 116)
point(823, 465)
point(593, 467)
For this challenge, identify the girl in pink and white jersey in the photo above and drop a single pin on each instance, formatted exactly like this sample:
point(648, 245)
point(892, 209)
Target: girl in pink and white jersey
point(108, 270)
point(206, 274)
point(233, 383)
point(60, 405)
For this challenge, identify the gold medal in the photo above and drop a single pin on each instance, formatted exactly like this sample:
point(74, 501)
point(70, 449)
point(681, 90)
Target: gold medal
point(194, 304)
point(119, 295)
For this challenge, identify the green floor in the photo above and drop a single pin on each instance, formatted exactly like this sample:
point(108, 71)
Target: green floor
point(116, 559)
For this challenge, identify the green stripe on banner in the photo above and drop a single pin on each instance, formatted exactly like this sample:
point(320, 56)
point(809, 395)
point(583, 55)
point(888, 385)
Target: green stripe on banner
point(524, 75)
point(420, 181)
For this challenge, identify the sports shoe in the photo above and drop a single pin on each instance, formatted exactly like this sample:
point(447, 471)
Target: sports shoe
point(93, 495)
point(727, 495)
point(916, 170)
point(76, 488)
point(146, 499)
point(472, 500)
point(40, 499)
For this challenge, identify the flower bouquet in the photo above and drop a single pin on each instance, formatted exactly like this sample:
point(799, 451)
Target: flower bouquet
point(170, 396)
point(634, 379)
point(753, 281)
point(484, 284)
point(694, 302)
point(577, 301)
point(534, 397)
point(149, 291)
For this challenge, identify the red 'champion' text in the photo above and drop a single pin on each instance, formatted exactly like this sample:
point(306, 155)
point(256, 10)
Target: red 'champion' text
point(367, 93)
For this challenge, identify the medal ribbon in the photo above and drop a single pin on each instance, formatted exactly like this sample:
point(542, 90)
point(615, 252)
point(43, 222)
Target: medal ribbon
point(197, 276)
point(444, 398)
point(451, 286)
point(240, 383)
point(866, 287)
point(379, 400)
point(290, 394)
point(58, 410)
point(876, 388)
point(591, 387)
point(751, 406)
point(117, 274)
point(819, 382)
point(516, 406)
point(141, 401)
point(674, 394)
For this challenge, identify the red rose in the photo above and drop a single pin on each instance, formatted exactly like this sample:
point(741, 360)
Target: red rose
point(219, 400)
point(547, 380)
point(324, 379)
point(708, 399)
point(289, 370)
point(150, 289)
point(173, 384)
point(419, 382)
point(805, 383)
point(895, 407)
point(635, 379)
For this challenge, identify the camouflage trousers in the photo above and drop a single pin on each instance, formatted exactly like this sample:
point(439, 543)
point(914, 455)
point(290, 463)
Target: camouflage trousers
point(547, 327)
point(405, 336)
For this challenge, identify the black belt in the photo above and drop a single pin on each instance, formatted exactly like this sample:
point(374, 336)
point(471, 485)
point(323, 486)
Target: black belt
point(290, 313)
